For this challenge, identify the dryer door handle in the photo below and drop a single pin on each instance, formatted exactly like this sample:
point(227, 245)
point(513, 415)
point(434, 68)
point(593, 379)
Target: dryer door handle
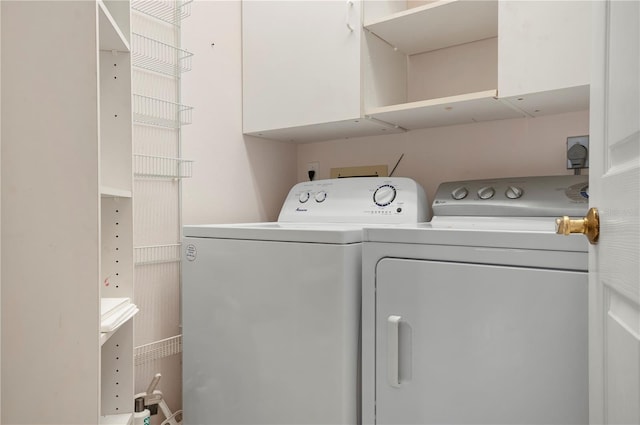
point(393, 348)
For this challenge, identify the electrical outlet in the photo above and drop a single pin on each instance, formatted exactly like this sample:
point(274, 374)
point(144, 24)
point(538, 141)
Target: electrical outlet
point(577, 152)
point(312, 170)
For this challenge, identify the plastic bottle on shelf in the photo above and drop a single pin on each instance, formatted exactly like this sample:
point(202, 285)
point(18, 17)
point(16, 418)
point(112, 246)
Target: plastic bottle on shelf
point(141, 416)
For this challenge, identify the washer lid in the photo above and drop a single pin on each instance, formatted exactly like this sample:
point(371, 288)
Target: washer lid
point(330, 233)
point(491, 232)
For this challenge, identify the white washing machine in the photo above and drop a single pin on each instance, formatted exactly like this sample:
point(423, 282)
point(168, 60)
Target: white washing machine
point(479, 317)
point(271, 311)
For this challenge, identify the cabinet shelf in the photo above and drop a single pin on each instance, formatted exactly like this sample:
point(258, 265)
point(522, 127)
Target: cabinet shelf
point(156, 56)
point(104, 336)
point(171, 12)
point(157, 254)
point(366, 126)
point(111, 36)
point(113, 192)
point(115, 312)
point(438, 25)
point(161, 167)
point(123, 419)
point(160, 113)
point(461, 109)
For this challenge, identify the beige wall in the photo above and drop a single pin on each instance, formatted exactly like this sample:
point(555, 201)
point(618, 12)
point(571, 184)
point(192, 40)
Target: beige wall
point(240, 178)
point(517, 147)
point(235, 178)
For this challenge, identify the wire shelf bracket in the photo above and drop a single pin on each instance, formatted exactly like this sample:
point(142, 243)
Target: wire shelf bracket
point(157, 350)
point(161, 167)
point(160, 113)
point(171, 12)
point(157, 254)
point(154, 55)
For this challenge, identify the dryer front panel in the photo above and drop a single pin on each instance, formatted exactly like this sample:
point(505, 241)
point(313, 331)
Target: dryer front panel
point(464, 343)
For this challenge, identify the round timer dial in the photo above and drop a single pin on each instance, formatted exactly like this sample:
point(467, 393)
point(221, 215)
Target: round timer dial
point(384, 195)
point(304, 197)
point(486, 192)
point(513, 192)
point(320, 196)
point(459, 193)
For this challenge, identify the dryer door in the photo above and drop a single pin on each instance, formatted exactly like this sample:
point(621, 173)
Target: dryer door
point(467, 343)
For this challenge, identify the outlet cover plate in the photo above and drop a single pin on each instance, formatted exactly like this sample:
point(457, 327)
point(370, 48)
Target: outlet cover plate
point(578, 140)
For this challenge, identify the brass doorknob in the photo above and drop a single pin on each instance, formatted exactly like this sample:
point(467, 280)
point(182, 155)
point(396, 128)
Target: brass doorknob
point(589, 225)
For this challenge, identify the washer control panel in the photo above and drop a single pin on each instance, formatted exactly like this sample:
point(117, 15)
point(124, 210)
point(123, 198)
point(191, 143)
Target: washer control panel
point(377, 200)
point(544, 196)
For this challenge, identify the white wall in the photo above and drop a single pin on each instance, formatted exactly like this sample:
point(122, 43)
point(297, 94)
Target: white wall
point(517, 147)
point(236, 178)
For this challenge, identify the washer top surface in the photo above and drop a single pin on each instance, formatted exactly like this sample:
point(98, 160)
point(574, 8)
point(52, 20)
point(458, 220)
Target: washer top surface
point(331, 211)
point(330, 233)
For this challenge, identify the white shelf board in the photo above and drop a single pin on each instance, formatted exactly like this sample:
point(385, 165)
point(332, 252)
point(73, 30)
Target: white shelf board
point(122, 419)
point(461, 109)
point(438, 25)
point(104, 336)
point(570, 99)
point(329, 131)
point(113, 192)
point(111, 37)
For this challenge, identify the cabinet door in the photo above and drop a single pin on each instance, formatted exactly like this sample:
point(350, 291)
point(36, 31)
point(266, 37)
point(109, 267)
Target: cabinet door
point(474, 344)
point(544, 54)
point(301, 63)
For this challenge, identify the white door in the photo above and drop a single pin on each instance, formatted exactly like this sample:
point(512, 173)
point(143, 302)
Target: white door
point(614, 276)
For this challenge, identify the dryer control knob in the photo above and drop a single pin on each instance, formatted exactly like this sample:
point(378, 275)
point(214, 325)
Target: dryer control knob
point(459, 193)
point(486, 192)
point(513, 192)
point(384, 195)
point(320, 196)
point(303, 197)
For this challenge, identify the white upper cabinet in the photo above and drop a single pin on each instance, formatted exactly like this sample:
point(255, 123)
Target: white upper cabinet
point(544, 55)
point(322, 70)
point(301, 69)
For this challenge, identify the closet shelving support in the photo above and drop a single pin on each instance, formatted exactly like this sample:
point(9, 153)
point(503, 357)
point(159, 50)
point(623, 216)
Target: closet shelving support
point(154, 55)
point(157, 57)
point(116, 218)
point(85, 104)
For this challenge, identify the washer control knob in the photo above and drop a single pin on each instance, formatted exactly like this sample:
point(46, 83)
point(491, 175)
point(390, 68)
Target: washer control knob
point(384, 195)
point(320, 196)
point(513, 192)
point(459, 193)
point(303, 197)
point(486, 192)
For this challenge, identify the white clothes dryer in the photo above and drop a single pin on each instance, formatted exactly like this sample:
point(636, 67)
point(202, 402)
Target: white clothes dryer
point(271, 311)
point(479, 317)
